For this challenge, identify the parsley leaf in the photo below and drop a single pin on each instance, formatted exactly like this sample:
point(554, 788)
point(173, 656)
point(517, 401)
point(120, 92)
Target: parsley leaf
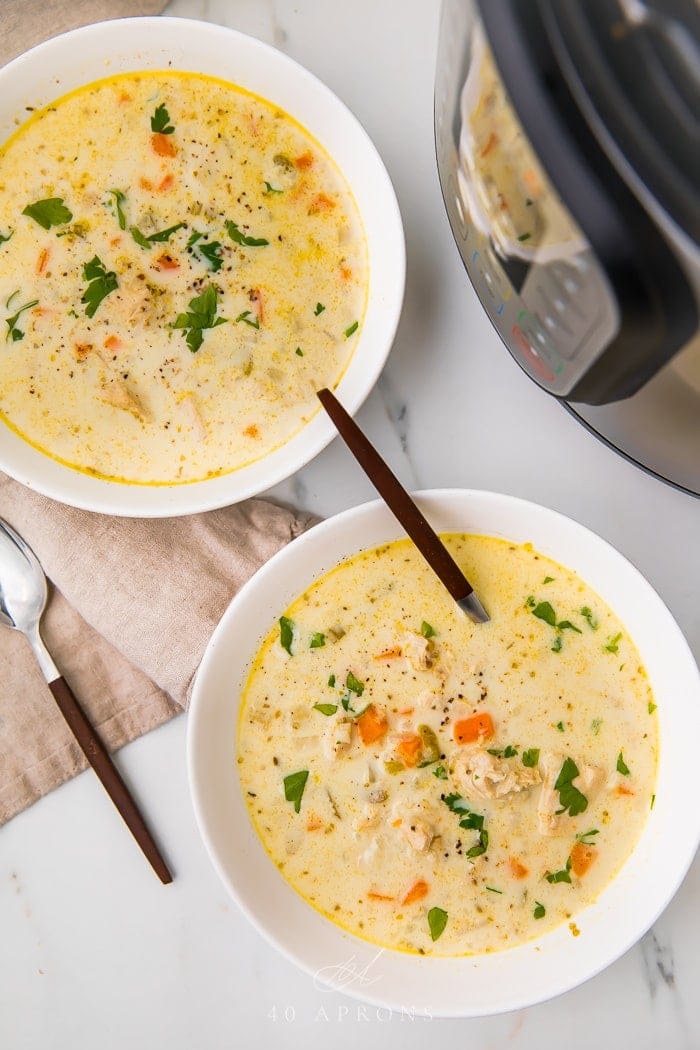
point(481, 846)
point(351, 710)
point(200, 316)
point(612, 644)
point(548, 579)
point(540, 911)
point(299, 352)
point(319, 309)
point(294, 785)
point(354, 684)
point(352, 329)
point(556, 647)
point(426, 630)
point(101, 283)
point(241, 238)
point(286, 633)
point(153, 238)
point(119, 199)
point(49, 212)
point(139, 237)
point(651, 707)
point(544, 611)
point(13, 331)
point(326, 709)
point(245, 319)
point(210, 251)
point(560, 876)
point(271, 189)
point(456, 803)
point(531, 757)
point(586, 836)
point(492, 889)
point(159, 121)
point(507, 752)
point(560, 727)
point(622, 767)
point(440, 772)
point(318, 640)
point(570, 797)
point(331, 682)
point(4, 238)
point(437, 921)
point(587, 614)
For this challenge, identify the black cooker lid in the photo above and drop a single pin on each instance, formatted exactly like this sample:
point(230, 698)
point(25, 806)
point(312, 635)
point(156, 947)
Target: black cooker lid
point(594, 90)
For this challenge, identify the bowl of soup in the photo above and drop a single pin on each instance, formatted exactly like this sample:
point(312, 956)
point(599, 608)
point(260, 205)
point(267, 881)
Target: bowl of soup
point(195, 236)
point(437, 816)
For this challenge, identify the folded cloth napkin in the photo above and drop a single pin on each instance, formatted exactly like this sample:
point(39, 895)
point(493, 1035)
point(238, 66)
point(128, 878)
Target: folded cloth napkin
point(133, 605)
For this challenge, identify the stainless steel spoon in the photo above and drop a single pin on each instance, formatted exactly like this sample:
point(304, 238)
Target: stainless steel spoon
point(23, 595)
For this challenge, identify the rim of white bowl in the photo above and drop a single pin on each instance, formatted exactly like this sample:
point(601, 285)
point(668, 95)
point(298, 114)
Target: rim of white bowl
point(448, 503)
point(124, 40)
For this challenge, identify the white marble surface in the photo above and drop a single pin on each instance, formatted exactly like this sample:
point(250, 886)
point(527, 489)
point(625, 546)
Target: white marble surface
point(94, 953)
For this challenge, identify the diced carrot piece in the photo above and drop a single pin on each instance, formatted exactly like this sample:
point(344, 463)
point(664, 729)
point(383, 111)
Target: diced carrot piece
point(166, 262)
point(476, 727)
point(255, 296)
point(396, 823)
point(378, 896)
point(582, 856)
point(304, 161)
point(389, 654)
point(371, 725)
point(166, 183)
point(313, 824)
point(321, 202)
point(124, 97)
point(345, 273)
point(145, 184)
point(517, 868)
point(417, 892)
point(82, 350)
point(622, 789)
point(42, 260)
point(113, 342)
point(115, 241)
point(163, 145)
point(409, 748)
point(252, 431)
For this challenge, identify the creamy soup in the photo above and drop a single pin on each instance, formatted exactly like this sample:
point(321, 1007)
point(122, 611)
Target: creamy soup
point(182, 266)
point(442, 787)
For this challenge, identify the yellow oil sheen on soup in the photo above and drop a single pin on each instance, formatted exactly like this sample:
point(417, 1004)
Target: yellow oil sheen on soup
point(410, 832)
point(182, 266)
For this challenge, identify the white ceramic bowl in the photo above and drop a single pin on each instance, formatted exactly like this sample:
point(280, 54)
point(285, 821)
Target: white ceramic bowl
point(477, 985)
point(66, 62)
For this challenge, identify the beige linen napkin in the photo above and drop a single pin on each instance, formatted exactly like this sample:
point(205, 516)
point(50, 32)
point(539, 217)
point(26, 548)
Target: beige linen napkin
point(134, 604)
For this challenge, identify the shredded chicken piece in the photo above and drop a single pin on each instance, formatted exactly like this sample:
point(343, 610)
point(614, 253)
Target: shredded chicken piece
point(368, 818)
point(115, 392)
point(338, 737)
point(419, 651)
point(478, 774)
point(589, 780)
point(418, 833)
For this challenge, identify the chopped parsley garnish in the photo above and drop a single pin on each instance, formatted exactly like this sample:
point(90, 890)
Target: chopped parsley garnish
point(4, 238)
point(586, 836)
point(161, 236)
point(611, 645)
point(241, 238)
point(539, 911)
point(653, 800)
point(318, 640)
point(524, 236)
point(560, 876)
point(294, 785)
point(299, 352)
point(545, 611)
point(507, 752)
point(456, 803)
point(651, 707)
point(354, 684)
point(319, 309)
point(492, 889)
point(570, 797)
point(589, 617)
point(331, 682)
point(352, 329)
point(426, 630)
point(437, 921)
point(596, 723)
point(470, 822)
point(13, 332)
point(560, 727)
point(548, 579)
point(200, 316)
point(531, 757)
point(159, 121)
point(244, 318)
point(622, 766)
point(286, 633)
point(101, 283)
point(49, 212)
point(556, 645)
point(119, 199)
point(440, 772)
point(326, 709)
point(271, 189)
point(211, 252)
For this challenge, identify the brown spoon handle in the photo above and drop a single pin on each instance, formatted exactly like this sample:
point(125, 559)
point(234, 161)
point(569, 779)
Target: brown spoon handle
point(99, 758)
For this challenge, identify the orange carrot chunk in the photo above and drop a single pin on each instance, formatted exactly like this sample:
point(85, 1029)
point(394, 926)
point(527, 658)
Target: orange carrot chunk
point(409, 748)
point(517, 868)
point(166, 262)
point(476, 727)
point(304, 161)
point(371, 725)
point(162, 145)
point(378, 896)
point(42, 260)
point(113, 342)
point(389, 654)
point(417, 892)
point(582, 857)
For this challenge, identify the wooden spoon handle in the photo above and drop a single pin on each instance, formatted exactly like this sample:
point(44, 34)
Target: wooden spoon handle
point(99, 758)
